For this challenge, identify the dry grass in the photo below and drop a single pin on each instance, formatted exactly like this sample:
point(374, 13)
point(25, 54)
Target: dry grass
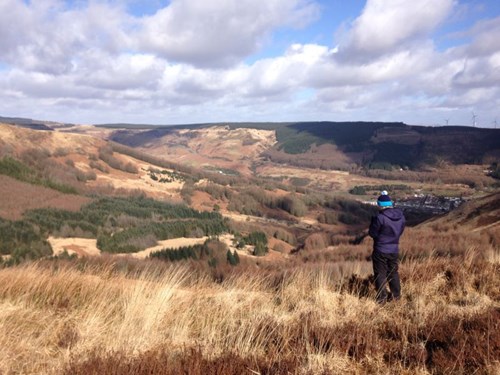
point(57, 154)
point(18, 197)
point(314, 318)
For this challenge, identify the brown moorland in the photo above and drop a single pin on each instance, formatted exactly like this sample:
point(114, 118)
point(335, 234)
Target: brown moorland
point(87, 163)
point(18, 197)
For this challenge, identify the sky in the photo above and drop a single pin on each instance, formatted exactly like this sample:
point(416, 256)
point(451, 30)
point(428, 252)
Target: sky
point(422, 62)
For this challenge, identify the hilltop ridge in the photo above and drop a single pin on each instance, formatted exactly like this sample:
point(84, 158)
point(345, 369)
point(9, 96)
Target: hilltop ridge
point(367, 144)
point(334, 145)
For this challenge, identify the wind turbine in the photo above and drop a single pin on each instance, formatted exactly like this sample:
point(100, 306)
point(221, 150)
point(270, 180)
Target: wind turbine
point(474, 116)
point(447, 121)
point(495, 122)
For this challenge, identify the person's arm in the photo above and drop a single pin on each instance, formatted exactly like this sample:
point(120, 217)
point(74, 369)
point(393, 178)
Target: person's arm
point(403, 226)
point(374, 229)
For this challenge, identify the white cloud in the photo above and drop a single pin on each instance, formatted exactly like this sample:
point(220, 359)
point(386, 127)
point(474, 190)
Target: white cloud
point(281, 75)
point(122, 72)
point(479, 73)
point(43, 85)
point(485, 38)
point(480, 58)
point(218, 32)
point(187, 62)
point(45, 36)
point(386, 25)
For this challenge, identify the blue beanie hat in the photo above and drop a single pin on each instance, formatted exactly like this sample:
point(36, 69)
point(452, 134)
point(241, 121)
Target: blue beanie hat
point(384, 200)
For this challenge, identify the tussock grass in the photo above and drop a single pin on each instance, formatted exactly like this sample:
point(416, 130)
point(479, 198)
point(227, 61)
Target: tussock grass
point(313, 318)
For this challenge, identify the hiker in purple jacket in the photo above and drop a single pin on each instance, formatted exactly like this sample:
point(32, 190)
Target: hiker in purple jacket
point(385, 229)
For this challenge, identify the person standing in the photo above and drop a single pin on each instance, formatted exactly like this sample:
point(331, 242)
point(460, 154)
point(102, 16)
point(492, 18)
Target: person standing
point(386, 228)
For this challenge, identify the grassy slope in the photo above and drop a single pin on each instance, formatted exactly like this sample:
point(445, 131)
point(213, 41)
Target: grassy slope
point(479, 214)
point(18, 197)
point(307, 318)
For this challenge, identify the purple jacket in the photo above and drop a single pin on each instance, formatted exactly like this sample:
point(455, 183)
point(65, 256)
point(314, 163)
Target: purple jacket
point(386, 228)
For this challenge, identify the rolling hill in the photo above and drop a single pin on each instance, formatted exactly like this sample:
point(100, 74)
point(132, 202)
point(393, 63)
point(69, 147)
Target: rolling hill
point(241, 147)
point(256, 265)
point(371, 144)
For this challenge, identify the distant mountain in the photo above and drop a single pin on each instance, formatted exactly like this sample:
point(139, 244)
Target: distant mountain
point(371, 144)
point(25, 123)
point(35, 124)
point(324, 145)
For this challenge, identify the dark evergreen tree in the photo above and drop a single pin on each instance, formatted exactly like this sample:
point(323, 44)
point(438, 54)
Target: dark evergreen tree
point(230, 258)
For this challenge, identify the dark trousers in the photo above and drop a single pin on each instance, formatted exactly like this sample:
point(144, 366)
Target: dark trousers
point(385, 269)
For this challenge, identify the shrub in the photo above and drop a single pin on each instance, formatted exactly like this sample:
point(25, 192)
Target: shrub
point(328, 217)
point(187, 192)
point(315, 241)
point(294, 205)
point(245, 204)
point(106, 155)
point(61, 151)
point(85, 176)
point(100, 167)
point(19, 234)
point(258, 240)
point(357, 190)
point(187, 252)
point(285, 236)
point(18, 170)
point(260, 249)
point(348, 218)
point(232, 258)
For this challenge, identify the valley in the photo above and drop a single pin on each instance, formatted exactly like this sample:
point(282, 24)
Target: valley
point(120, 242)
point(226, 169)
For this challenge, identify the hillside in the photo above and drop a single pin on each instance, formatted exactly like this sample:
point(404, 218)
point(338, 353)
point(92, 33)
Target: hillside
point(50, 179)
point(295, 207)
point(232, 151)
point(475, 215)
point(83, 163)
point(71, 176)
point(369, 144)
point(18, 197)
point(452, 159)
point(360, 147)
